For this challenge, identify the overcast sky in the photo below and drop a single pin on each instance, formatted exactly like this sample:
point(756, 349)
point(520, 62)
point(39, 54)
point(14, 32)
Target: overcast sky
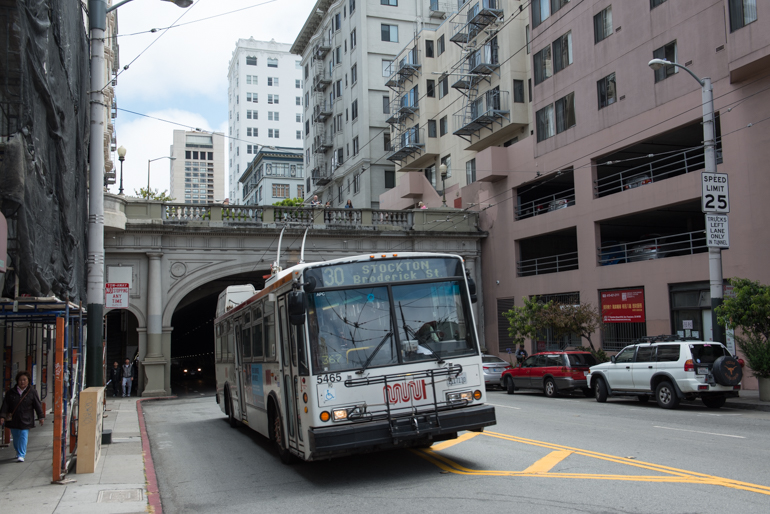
point(182, 77)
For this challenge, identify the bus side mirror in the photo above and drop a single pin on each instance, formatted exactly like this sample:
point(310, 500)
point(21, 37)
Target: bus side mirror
point(310, 285)
point(472, 290)
point(297, 307)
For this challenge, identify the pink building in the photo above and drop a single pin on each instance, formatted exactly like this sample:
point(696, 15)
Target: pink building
point(604, 195)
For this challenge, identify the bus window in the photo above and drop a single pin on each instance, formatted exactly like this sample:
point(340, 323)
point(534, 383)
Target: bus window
point(269, 328)
point(218, 343)
point(230, 342)
point(246, 342)
point(256, 335)
point(284, 335)
point(301, 350)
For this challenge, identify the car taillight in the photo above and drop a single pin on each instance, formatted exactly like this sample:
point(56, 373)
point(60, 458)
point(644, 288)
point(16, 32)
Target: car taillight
point(688, 365)
point(486, 368)
point(741, 362)
point(508, 368)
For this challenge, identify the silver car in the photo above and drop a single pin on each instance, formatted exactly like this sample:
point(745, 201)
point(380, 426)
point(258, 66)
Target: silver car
point(493, 369)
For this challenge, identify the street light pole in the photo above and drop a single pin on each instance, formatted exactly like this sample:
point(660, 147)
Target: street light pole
point(710, 158)
point(148, 170)
point(121, 158)
point(442, 170)
point(97, 24)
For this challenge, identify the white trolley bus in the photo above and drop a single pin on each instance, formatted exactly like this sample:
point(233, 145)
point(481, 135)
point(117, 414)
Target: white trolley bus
point(353, 355)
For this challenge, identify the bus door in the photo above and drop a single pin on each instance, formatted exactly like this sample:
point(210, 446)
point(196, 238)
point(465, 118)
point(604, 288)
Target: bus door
point(238, 405)
point(290, 377)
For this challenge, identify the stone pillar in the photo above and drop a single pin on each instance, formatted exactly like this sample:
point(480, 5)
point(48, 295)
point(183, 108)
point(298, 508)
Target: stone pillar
point(154, 363)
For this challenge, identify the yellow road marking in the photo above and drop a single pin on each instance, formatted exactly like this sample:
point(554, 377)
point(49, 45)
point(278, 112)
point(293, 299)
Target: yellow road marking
point(446, 444)
point(542, 467)
point(548, 462)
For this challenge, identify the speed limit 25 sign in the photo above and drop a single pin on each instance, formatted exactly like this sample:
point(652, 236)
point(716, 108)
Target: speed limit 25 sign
point(715, 196)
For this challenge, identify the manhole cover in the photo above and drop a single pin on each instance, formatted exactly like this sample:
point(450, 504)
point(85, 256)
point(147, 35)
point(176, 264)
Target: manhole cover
point(120, 496)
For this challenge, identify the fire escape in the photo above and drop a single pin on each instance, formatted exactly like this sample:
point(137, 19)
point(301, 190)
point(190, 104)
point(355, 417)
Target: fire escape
point(407, 138)
point(320, 174)
point(477, 37)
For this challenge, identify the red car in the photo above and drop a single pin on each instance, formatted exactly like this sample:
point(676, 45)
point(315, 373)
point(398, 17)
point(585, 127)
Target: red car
point(551, 372)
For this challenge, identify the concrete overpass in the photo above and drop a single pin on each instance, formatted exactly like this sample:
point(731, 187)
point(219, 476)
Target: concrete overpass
point(175, 254)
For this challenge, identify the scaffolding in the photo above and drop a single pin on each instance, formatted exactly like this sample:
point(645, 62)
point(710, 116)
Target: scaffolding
point(49, 325)
point(477, 38)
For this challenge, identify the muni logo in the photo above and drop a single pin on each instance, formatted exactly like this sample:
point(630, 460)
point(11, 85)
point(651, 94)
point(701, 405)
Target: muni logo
point(412, 390)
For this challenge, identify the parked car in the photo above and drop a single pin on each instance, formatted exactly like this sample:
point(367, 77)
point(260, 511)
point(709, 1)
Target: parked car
point(670, 369)
point(636, 181)
point(612, 252)
point(561, 203)
point(650, 246)
point(551, 372)
point(493, 368)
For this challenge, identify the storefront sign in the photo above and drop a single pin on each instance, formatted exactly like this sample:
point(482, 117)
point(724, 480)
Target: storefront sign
point(623, 306)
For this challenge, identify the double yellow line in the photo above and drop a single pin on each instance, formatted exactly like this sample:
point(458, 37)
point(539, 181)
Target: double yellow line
point(542, 468)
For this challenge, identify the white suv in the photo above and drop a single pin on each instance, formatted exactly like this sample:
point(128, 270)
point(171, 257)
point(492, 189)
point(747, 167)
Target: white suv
point(672, 369)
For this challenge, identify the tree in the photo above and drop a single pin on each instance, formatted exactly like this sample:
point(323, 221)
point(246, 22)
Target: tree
point(153, 195)
point(526, 321)
point(749, 311)
point(290, 202)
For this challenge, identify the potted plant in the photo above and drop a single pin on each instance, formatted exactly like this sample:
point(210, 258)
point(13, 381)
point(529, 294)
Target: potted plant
point(749, 311)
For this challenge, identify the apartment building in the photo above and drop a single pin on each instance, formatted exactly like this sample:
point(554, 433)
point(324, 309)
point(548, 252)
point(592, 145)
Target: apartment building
point(197, 172)
point(454, 91)
point(274, 175)
point(601, 203)
point(264, 105)
point(347, 49)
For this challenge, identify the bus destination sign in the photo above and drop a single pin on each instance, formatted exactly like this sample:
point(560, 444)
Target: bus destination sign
point(383, 272)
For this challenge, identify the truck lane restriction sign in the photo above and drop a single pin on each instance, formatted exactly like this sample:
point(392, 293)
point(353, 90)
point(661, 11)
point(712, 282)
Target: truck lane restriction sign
point(716, 229)
point(715, 196)
point(116, 295)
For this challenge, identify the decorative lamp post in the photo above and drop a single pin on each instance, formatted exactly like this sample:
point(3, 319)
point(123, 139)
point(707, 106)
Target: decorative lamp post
point(148, 167)
point(121, 158)
point(442, 170)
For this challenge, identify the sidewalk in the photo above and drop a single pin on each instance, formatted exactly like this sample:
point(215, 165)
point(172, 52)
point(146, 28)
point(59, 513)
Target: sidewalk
point(748, 400)
point(117, 487)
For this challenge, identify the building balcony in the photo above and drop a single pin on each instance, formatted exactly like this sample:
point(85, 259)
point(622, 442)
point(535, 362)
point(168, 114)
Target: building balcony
point(322, 48)
point(320, 175)
point(406, 144)
point(482, 112)
point(440, 8)
point(321, 80)
point(478, 17)
point(322, 143)
point(322, 111)
point(403, 67)
point(549, 253)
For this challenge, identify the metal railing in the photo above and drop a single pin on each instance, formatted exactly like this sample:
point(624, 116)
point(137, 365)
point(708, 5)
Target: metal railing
point(322, 48)
point(484, 60)
point(616, 336)
point(321, 79)
point(549, 264)
point(442, 7)
point(322, 111)
point(547, 203)
point(480, 113)
point(656, 169)
point(406, 143)
point(658, 247)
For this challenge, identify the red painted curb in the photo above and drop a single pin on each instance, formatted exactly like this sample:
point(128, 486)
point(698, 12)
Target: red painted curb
point(153, 493)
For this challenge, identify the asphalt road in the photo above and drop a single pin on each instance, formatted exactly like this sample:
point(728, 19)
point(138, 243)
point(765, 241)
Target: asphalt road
point(544, 455)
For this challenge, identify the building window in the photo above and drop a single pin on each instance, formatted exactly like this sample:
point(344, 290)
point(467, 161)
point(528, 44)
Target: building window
point(298, 100)
point(562, 52)
point(337, 22)
point(357, 183)
point(603, 25)
point(338, 55)
point(742, 12)
point(655, 3)
point(565, 112)
point(389, 33)
point(251, 60)
point(299, 134)
point(443, 128)
point(352, 40)
point(272, 81)
point(307, 127)
point(447, 161)
point(542, 65)
point(273, 115)
point(518, 91)
point(431, 89)
point(390, 179)
point(526, 37)
point(248, 149)
point(354, 109)
point(443, 87)
point(386, 141)
point(272, 62)
point(385, 105)
point(389, 2)
point(272, 99)
point(386, 67)
point(428, 48)
point(470, 171)
point(298, 118)
point(441, 46)
point(352, 6)
point(668, 53)
point(606, 91)
point(298, 83)
point(431, 128)
point(307, 71)
point(248, 132)
point(354, 73)
point(281, 190)
point(541, 10)
point(546, 125)
point(355, 145)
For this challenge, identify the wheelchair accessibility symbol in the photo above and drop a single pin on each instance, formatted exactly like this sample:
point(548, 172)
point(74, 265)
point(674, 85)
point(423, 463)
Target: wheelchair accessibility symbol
point(370, 297)
point(329, 395)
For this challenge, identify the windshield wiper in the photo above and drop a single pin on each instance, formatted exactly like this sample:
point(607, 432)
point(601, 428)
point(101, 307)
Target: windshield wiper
point(408, 330)
point(371, 357)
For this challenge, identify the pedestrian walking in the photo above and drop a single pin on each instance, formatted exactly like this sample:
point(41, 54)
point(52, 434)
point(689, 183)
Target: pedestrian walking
point(127, 372)
point(115, 377)
point(19, 407)
point(521, 354)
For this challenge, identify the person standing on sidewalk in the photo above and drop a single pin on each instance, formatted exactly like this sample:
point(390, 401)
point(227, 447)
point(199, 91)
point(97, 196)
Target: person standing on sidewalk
point(115, 378)
point(127, 372)
point(19, 407)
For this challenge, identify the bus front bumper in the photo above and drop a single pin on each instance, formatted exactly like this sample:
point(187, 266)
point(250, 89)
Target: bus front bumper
point(400, 432)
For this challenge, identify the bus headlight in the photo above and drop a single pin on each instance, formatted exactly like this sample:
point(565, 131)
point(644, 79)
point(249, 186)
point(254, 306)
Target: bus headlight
point(340, 414)
point(459, 396)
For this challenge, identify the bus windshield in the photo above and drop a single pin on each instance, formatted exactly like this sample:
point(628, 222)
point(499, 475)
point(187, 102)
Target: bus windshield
point(349, 327)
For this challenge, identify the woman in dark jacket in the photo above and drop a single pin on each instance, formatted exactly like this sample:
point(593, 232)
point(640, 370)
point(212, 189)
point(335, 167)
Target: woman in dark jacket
point(19, 407)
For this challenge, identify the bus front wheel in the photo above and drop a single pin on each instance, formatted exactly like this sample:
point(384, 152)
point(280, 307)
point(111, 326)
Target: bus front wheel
point(277, 433)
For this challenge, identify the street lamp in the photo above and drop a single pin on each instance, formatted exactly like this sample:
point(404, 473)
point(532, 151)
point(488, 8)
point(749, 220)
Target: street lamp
point(148, 166)
point(121, 158)
point(97, 23)
point(710, 156)
point(442, 170)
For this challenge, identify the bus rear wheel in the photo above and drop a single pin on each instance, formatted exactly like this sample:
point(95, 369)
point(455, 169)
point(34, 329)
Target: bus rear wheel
point(230, 416)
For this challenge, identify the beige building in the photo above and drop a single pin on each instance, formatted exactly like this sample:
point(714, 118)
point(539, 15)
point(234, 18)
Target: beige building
point(197, 172)
point(602, 200)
